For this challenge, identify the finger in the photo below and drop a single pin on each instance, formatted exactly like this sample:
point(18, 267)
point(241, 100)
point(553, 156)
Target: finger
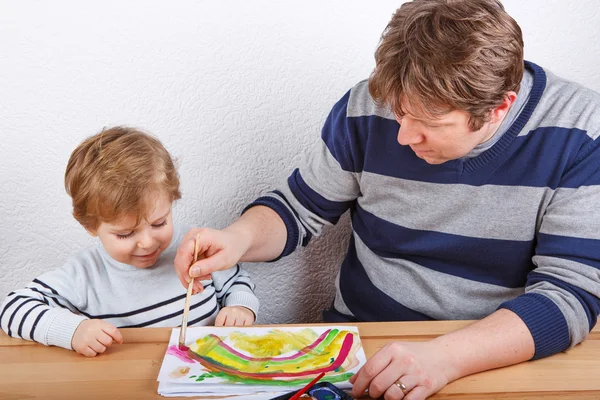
point(220, 319)
point(370, 370)
point(418, 393)
point(198, 286)
point(207, 266)
point(395, 391)
point(104, 338)
point(184, 256)
point(97, 346)
point(113, 332)
point(230, 321)
point(387, 378)
point(88, 352)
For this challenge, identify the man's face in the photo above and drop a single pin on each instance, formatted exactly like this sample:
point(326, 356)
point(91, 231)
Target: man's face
point(142, 245)
point(446, 138)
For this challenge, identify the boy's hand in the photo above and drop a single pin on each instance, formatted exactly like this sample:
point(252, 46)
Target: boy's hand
point(234, 316)
point(93, 336)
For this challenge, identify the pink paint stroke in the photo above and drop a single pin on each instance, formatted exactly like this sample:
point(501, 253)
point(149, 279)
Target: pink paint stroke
point(181, 354)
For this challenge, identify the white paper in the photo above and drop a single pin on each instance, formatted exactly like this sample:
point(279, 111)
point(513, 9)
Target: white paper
point(237, 360)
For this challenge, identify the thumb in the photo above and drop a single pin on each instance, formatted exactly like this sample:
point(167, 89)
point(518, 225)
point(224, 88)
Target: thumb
point(207, 266)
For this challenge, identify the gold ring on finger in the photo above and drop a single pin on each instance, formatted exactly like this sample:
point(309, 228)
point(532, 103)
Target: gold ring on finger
point(401, 386)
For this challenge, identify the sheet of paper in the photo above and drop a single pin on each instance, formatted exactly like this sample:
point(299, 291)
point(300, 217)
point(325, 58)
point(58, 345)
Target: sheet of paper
point(253, 360)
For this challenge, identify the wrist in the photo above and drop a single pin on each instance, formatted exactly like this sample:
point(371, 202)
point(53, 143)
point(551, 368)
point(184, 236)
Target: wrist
point(242, 236)
point(449, 361)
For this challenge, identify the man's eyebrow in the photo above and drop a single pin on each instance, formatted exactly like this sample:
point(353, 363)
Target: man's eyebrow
point(432, 121)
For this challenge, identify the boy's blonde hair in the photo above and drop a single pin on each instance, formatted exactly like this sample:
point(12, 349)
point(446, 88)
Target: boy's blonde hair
point(117, 173)
point(442, 55)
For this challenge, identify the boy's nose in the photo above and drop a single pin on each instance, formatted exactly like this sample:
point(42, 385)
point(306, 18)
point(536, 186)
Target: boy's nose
point(145, 240)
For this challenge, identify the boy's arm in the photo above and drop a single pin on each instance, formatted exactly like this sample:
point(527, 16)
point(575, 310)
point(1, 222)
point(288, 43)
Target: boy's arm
point(46, 310)
point(234, 287)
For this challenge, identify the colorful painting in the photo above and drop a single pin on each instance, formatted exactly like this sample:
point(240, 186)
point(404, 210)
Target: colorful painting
point(246, 360)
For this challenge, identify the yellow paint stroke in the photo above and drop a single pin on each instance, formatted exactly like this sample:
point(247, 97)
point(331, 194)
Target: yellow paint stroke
point(274, 343)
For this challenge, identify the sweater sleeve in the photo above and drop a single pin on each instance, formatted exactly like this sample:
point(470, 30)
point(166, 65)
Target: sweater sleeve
point(561, 301)
point(234, 287)
point(325, 185)
point(46, 310)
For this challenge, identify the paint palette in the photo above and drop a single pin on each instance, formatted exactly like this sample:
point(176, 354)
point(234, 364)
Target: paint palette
point(249, 360)
point(320, 391)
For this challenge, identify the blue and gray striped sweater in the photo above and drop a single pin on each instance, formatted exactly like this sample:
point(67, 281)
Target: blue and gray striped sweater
point(515, 227)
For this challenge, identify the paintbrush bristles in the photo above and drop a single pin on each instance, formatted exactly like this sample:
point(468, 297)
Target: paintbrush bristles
point(186, 307)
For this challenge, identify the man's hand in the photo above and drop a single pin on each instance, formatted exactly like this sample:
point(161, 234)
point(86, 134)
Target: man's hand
point(218, 250)
point(234, 316)
point(419, 366)
point(93, 336)
point(498, 340)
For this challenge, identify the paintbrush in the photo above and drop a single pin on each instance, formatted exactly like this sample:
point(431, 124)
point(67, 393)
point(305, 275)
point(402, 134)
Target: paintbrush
point(308, 386)
point(186, 307)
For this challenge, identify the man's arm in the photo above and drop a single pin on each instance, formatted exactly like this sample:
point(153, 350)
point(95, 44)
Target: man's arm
point(496, 341)
point(274, 225)
point(258, 235)
point(262, 231)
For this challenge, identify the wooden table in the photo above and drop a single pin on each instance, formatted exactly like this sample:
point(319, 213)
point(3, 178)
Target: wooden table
point(29, 370)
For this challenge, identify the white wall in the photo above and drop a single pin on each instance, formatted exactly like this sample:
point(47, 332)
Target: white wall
point(236, 90)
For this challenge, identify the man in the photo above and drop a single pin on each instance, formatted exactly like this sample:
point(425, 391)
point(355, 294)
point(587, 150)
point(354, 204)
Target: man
point(473, 182)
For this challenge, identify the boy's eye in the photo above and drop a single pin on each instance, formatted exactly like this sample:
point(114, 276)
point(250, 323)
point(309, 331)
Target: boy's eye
point(159, 225)
point(125, 236)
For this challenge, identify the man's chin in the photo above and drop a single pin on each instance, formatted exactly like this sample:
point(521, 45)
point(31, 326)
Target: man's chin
point(432, 160)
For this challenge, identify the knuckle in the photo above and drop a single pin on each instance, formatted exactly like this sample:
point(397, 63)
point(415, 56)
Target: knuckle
point(427, 382)
point(408, 360)
point(369, 371)
point(376, 388)
point(396, 347)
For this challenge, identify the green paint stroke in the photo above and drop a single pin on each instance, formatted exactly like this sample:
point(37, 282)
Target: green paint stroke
point(291, 382)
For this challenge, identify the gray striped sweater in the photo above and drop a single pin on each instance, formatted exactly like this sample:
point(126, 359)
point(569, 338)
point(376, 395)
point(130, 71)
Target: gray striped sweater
point(93, 285)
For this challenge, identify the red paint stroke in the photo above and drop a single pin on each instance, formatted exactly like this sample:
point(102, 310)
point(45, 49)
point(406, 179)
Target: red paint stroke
point(342, 355)
point(181, 354)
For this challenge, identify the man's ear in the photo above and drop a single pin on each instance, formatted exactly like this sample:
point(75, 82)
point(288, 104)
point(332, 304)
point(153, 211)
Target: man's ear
point(500, 111)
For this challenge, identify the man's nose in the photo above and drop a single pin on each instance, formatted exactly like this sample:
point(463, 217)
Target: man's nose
point(409, 134)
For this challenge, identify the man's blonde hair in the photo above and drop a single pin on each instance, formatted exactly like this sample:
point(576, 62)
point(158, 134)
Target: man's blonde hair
point(117, 173)
point(442, 55)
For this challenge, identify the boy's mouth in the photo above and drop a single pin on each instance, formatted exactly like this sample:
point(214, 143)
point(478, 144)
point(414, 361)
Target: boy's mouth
point(146, 256)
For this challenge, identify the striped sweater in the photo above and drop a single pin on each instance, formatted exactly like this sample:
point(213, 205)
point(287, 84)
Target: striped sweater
point(516, 226)
point(93, 285)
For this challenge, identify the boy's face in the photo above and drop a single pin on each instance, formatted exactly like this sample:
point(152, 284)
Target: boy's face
point(140, 246)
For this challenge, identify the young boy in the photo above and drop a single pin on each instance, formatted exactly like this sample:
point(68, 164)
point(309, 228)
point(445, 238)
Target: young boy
point(123, 183)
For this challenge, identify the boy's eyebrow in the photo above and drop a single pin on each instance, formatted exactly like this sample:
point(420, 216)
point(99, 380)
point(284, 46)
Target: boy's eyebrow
point(116, 229)
point(163, 217)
